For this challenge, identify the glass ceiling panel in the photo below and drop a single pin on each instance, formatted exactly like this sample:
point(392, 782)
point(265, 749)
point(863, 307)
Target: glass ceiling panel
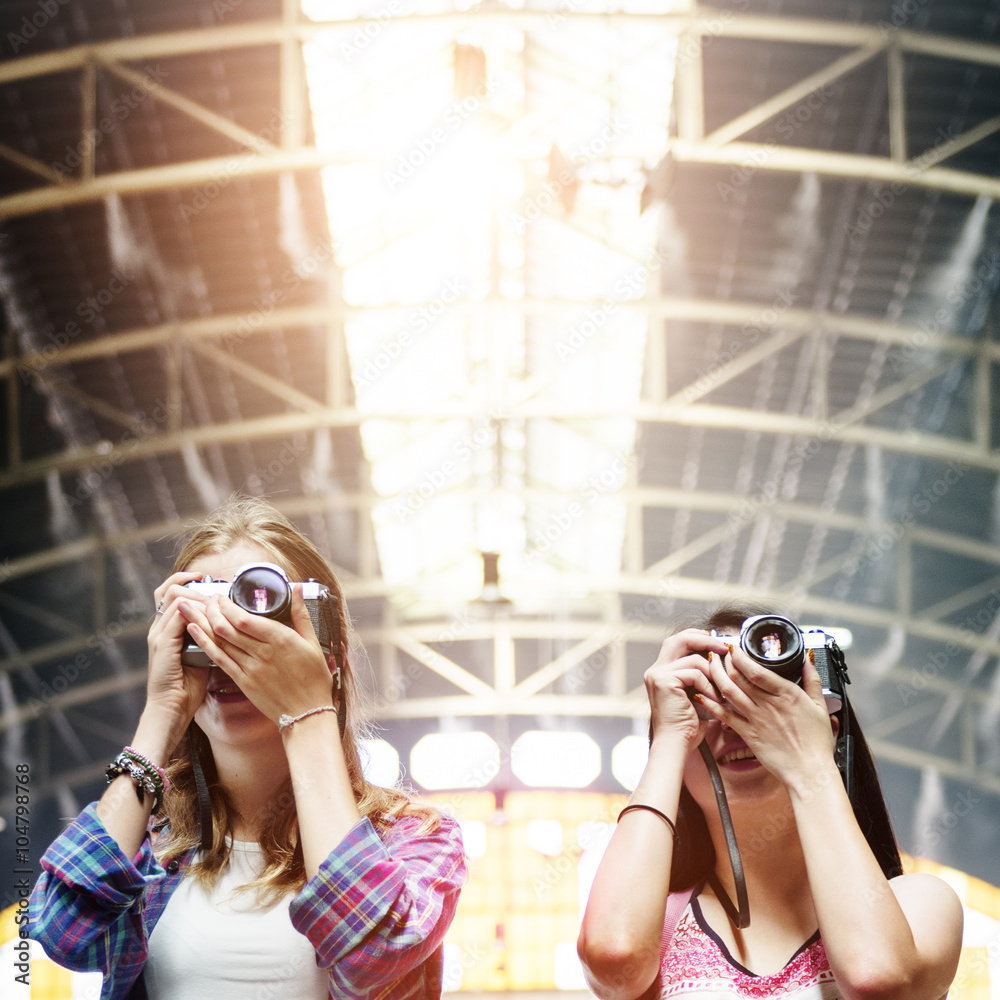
point(484, 208)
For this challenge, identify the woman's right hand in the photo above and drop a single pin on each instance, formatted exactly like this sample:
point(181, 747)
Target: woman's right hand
point(173, 692)
point(683, 664)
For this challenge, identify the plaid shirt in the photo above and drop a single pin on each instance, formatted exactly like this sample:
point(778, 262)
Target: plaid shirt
point(375, 913)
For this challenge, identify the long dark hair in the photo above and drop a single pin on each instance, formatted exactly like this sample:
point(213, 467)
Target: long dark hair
point(694, 855)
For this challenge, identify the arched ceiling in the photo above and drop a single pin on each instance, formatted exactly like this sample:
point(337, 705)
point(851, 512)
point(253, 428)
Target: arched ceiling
point(813, 424)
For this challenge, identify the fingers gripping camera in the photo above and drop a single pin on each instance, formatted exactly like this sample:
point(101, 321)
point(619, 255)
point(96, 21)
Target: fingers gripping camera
point(780, 645)
point(264, 589)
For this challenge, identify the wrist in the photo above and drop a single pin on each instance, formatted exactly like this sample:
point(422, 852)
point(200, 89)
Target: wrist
point(317, 717)
point(671, 743)
point(156, 735)
point(807, 783)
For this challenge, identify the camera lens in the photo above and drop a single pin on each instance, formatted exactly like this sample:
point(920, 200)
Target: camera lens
point(774, 642)
point(262, 589)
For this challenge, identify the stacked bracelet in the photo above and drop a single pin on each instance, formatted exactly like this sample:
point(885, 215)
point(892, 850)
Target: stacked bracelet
point(146, 776)
point(146, 762)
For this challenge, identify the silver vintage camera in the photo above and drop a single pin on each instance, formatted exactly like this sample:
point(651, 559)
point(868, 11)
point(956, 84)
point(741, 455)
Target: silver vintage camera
point(780, 645)
point(264, 589)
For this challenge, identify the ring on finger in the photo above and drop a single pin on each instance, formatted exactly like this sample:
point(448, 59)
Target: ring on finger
point(159, 608)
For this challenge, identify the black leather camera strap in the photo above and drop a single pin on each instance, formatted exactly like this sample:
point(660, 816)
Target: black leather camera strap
point(201, 787)
point(739, 915)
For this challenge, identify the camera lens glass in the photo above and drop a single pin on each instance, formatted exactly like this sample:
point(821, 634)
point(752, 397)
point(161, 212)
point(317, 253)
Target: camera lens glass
point(774, 642)
point(262, 589)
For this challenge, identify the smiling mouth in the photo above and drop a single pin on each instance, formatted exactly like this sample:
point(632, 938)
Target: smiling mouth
point(743, 753)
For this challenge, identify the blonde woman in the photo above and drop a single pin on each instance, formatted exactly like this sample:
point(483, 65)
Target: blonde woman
point(312, 881)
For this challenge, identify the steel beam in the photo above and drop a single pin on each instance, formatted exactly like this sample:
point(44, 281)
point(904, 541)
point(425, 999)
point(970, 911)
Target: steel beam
point(667, 307)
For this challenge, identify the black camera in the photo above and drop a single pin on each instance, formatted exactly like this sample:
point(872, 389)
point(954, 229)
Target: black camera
point(264, 589)
point(780, 645)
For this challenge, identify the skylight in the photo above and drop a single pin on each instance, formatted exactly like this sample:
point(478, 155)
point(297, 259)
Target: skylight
point(485, 217)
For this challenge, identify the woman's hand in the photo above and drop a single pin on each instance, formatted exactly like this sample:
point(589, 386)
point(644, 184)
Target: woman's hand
point(281, 670)
point(786, 725)
point(173, 691)
point(684, 663)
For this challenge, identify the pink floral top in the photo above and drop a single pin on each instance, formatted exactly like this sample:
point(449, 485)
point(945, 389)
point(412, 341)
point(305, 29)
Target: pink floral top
point(698, 964)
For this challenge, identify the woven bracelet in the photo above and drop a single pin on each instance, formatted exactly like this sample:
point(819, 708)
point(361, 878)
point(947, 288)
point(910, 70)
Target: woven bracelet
point(284, 721)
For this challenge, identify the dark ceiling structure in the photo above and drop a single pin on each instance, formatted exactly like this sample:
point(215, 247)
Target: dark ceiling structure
point(814, 431)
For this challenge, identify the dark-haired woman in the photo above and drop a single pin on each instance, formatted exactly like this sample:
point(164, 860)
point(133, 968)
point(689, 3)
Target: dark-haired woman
point(316, 882)
point(833, 917)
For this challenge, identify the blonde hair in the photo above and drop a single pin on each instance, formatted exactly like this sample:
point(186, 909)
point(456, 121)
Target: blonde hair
point(257, 522)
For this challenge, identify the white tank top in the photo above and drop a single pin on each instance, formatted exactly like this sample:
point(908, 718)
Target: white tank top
point(222, 944)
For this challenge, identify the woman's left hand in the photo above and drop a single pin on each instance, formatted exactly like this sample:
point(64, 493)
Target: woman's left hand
point(786, 725)
point(281, 670)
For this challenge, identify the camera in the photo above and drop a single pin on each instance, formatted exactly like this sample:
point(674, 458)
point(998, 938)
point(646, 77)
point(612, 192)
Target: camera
point(780, 645)
point(264, 589)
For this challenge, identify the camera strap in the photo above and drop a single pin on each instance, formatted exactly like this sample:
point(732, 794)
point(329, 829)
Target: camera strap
point(201, 787)
point(739, 915)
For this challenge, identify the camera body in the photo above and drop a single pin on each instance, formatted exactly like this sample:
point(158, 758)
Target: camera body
point(780, 645)
point(264, 589)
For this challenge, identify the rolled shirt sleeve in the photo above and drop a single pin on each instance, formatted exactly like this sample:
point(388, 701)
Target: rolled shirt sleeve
point(82, 909)
point(379, 906)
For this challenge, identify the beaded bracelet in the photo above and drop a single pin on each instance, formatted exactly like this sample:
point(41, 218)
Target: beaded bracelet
point(146, 778)
point(145, 761)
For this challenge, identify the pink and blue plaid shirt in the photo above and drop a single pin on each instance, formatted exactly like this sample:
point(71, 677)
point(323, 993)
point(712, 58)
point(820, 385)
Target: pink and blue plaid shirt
point(375, 913)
